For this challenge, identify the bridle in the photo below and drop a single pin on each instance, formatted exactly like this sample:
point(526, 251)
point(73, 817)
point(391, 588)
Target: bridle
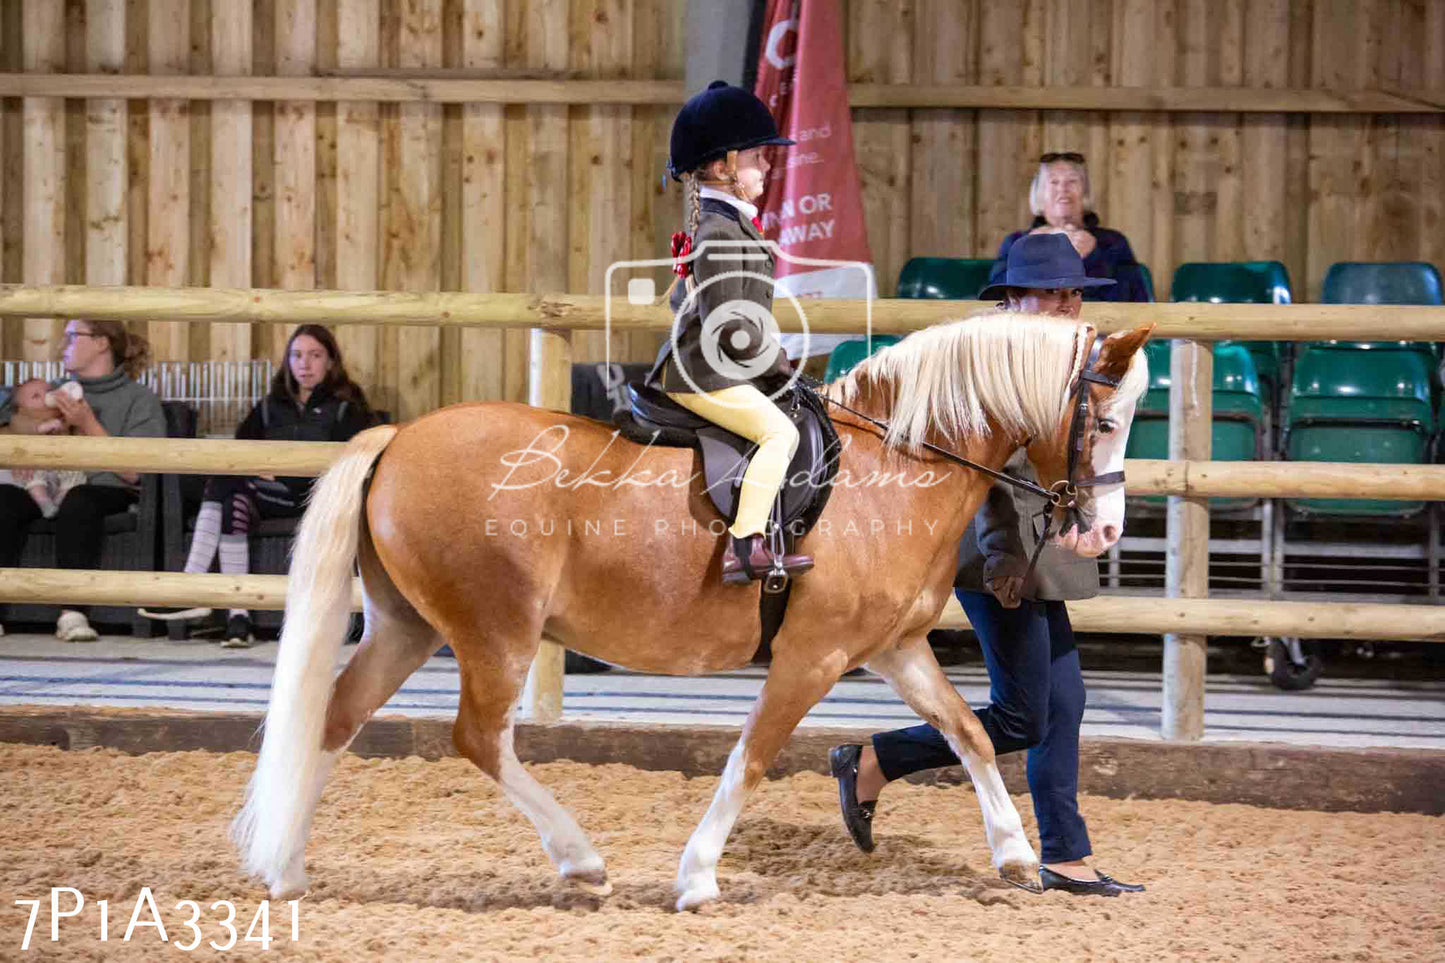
point(1063, 495)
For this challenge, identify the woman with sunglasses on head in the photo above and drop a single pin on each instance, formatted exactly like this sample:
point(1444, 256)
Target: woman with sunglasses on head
point(1062, 202)
point(106, 360)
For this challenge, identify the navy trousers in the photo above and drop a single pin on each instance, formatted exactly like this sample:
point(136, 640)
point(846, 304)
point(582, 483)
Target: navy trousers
point(1037, 703)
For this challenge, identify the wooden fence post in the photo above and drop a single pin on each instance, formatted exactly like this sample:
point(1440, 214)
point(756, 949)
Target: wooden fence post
point(550, 386)
point(1186, 572)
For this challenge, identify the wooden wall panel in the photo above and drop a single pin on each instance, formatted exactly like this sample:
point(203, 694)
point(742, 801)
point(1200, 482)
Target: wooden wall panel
point(294, 158)
point(230, 188)
point(1264, 167)
point(45, 190)
point(484, 211)
point(879, 41)
point(105, 131)
point(600, 157)
point(1010, 53)
point(358, 186)
point(530, 198)
point(941, 181)
point(412, 249)
point(169, 195)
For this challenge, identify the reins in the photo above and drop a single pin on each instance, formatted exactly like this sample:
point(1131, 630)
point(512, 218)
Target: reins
point(1063, 495)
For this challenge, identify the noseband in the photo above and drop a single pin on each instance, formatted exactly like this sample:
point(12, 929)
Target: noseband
point(1063, 495)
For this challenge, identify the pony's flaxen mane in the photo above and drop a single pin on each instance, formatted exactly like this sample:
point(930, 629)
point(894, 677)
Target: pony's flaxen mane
point(951, 378)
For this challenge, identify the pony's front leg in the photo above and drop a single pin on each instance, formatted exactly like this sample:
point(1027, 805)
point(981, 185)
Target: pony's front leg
point(794, 685)
point(913, 672)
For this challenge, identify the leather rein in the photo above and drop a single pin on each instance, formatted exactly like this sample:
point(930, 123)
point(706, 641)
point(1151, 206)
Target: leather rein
point(1063, 495)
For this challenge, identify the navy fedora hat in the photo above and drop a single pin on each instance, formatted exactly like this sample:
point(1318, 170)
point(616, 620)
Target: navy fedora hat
point(1041, 261)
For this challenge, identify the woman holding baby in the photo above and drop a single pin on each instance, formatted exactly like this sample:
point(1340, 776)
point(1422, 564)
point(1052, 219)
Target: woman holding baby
point(104, 360)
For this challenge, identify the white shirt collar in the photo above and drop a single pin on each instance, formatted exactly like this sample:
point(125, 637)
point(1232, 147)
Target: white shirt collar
point(749, 210)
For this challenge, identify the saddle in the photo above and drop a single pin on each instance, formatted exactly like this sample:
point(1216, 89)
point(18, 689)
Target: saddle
point(655, 419)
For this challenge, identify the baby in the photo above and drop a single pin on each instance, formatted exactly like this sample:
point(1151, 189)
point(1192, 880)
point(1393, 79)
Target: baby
point(34, 412)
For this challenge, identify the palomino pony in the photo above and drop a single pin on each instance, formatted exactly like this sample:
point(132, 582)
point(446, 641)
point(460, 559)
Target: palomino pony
point(486, 526)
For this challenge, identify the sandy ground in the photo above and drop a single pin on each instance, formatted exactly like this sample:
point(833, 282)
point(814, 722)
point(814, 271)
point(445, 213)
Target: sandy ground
point(413, 860)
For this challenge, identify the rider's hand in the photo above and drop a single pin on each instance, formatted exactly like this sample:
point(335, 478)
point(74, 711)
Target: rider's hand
point(1008, 589)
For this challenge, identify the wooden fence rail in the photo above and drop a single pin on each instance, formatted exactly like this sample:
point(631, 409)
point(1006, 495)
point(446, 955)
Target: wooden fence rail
point(1195, 321)
point(443, 87)
point(1197, 479)
point(1111, 614)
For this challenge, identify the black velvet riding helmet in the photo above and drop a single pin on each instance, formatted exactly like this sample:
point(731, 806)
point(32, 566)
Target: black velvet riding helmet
point(720, 119)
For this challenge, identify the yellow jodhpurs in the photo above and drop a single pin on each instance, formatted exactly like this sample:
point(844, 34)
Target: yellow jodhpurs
point(746, 411)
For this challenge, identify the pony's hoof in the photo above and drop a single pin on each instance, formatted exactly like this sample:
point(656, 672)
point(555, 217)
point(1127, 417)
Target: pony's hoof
point(603, 888)
point(289, 889)
point(588, 875)
point(697, 897)
point(1023, 875)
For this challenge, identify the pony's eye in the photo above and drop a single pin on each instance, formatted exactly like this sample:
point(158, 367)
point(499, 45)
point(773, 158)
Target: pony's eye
point(1106, 427)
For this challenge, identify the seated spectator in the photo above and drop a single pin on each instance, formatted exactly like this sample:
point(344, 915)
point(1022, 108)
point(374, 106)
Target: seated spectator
point(312, 398)
point(105, 359)
point(1062, 203)
point(35, 413)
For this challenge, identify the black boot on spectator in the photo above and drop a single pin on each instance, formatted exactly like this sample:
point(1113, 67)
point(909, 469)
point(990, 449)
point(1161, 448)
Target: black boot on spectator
point(238, 633)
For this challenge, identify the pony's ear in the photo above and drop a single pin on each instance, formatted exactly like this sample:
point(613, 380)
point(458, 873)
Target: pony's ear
point(1119, 349)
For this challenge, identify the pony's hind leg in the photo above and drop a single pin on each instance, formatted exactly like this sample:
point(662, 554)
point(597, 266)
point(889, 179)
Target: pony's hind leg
point(794, 685)
point(913, 672)
point(397, 642)
point(483, 733)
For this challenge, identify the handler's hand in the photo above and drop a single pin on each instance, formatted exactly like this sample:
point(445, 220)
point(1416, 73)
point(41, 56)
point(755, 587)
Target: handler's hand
point(1008, 589)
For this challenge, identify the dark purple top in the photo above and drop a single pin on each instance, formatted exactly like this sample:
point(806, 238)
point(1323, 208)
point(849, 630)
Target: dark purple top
point(1111, 258)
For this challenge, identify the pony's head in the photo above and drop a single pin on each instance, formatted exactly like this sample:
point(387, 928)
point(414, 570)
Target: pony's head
point(1090, 438)
point(1016, 374)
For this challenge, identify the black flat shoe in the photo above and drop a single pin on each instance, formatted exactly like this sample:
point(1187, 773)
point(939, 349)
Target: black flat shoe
point(857, 817)
point(1103, 886)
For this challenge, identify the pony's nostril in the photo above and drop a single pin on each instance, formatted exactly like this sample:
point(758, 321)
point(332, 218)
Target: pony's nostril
point(1111, 533)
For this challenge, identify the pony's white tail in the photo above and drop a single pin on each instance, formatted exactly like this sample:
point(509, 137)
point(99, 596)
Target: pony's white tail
point(272, 827)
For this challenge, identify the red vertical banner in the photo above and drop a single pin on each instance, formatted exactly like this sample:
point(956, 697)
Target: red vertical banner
point(812, 206)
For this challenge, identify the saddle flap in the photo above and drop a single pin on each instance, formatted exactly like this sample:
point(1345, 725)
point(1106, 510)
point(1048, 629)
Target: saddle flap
point(650, 405)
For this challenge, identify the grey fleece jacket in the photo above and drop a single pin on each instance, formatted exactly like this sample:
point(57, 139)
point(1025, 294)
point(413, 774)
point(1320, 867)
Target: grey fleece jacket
point(124, 408)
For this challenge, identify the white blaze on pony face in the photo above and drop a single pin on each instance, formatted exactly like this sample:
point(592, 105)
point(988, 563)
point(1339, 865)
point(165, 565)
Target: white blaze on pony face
point(1103, 504)
point(1111, 413)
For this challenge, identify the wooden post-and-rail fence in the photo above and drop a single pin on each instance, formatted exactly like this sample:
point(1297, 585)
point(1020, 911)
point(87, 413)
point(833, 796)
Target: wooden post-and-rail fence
point(1185, 618)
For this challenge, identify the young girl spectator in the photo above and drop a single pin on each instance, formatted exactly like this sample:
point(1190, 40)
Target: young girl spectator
point(312, 398)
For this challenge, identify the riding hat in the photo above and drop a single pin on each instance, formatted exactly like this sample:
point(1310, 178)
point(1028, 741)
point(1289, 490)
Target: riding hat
point(1041, 261)
point(720, 119)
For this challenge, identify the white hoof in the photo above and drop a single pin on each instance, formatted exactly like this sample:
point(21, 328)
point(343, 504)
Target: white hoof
point(588, 875)
point(1016, 863)
point(292, 883)
point(696, 896)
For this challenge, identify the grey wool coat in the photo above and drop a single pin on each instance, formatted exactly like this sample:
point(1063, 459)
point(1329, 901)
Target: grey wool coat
point(1001, 538)
point(736, 338)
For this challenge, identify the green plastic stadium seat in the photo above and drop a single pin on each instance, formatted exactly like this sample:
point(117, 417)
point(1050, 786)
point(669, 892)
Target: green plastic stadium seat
point(1384, 282)
point(1239, 282)
point(1238, 413)
point(1148, 278)
point(1353, 405)
point(849, 353)
point(947, 278)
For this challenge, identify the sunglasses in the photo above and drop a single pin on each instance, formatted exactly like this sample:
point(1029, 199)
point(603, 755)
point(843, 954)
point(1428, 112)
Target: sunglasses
point(1073, 157)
